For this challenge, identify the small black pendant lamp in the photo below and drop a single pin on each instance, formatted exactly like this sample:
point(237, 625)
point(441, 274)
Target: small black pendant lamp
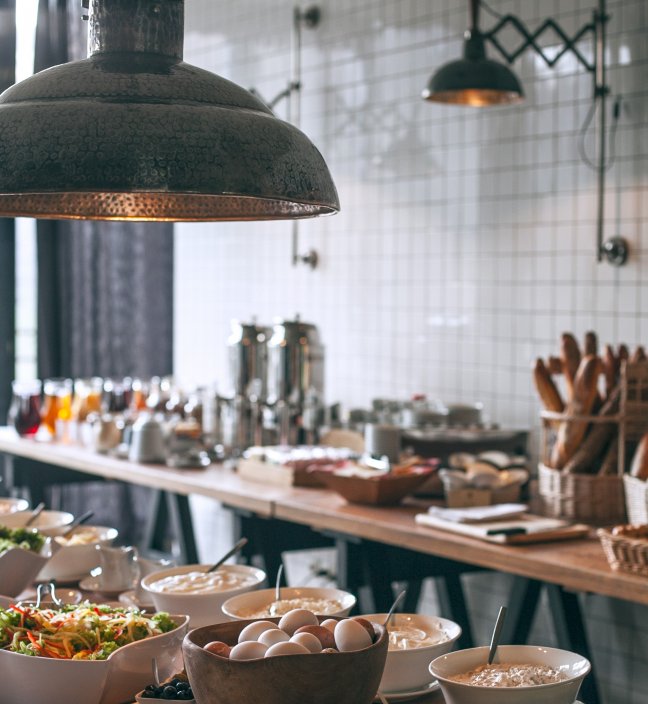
point(134, 133)
point(474, 80)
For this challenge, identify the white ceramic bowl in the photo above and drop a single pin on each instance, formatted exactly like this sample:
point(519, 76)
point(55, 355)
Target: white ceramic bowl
point(573, 665)
point(243, 606)
point(48, 522)
point(73, 562)
point(113, 681)
point(203, 609)
point(9, 505)
point(407, 670)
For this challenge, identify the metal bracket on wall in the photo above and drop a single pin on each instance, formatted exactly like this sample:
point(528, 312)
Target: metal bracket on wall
point(310, 18)
point(615, 250)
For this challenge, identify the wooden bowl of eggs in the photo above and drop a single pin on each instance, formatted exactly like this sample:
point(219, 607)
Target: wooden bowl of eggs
point(295, 659)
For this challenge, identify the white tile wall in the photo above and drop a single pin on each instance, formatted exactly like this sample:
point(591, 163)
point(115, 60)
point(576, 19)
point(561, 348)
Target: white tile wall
point(466, 241)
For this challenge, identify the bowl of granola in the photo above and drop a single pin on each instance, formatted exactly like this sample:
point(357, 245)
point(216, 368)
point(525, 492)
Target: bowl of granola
point(519, 674)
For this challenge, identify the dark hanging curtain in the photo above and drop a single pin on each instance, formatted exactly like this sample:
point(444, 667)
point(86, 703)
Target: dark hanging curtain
point(105, 298)
point(7, 244)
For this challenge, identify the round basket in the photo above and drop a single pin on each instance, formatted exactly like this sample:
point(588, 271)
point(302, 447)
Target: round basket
point(636, 494)
point(625, 553)
point(585, 498)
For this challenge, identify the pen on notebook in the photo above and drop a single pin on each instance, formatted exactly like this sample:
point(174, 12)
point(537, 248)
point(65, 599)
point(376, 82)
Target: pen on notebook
point(506, 531)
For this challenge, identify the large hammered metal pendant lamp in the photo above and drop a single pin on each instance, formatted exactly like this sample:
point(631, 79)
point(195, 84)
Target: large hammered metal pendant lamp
point(474, 80)
point(135, 133)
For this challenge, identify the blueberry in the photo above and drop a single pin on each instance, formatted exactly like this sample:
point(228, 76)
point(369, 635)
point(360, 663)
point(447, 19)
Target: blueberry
point(169, 692)
point(182, 686)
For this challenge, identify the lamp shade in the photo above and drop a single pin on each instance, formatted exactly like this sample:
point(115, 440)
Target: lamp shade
point(474, 80)
point(135, 133)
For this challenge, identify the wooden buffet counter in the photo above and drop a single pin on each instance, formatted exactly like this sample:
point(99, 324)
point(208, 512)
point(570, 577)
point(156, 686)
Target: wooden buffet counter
point(574, 564)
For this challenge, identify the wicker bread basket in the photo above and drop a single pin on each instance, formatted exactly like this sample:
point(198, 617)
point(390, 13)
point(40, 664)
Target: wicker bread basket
point(636, 493)
point(584, 498)
point(624, 553)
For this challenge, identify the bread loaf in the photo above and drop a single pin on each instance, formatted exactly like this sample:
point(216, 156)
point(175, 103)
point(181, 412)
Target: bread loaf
point(570, 356)
point(547, 390)
point(639, 466)
point(585, 391)
point(589, 454)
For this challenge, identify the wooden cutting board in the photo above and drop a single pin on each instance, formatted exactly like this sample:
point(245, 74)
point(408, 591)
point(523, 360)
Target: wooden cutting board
point(528, 528)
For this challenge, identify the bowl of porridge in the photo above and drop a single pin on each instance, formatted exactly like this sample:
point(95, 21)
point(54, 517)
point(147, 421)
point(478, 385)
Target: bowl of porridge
point(414, 640)
point(200, 594)
point(520, 674)
point(262, 603)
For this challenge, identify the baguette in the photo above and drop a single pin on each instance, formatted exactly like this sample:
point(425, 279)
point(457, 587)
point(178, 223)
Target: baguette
point(547, 390)
point(554, 365)
point(609, 466)
point(592, 448)
point(591, 343)
point(639, 355)
point(639, 466)
point(610, 369)
point(572, 432)
point(624, 354)
point(571, 357)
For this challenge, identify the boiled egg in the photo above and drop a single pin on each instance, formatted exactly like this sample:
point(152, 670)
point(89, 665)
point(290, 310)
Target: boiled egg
point(308, 640)
point(253, 630)
point(273, 636)
point(296, 618)
point(288, 648)
point(351, 635)
point(249, 650)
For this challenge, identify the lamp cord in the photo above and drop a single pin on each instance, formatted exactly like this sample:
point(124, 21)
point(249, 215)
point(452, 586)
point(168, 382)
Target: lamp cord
point(587, 123)
point(490, 10)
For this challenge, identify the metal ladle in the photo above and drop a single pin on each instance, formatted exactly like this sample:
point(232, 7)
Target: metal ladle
point(497, 631)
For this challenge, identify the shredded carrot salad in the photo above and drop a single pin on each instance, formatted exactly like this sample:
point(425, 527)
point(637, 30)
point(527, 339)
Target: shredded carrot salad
point(84, 632)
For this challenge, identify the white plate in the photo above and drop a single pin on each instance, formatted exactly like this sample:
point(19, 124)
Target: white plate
point(129, 598)
point(94, 584)
point(410, 694)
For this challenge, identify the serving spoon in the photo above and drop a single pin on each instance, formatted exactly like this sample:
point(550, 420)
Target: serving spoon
point(497, 632)
point(397, 601)
point(278, 583)
point(241, 543)
point(77, 522)
point(35, 514)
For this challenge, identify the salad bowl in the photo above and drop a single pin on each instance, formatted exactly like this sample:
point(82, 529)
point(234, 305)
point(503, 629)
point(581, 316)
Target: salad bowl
point(18, 569)
point(112, 681)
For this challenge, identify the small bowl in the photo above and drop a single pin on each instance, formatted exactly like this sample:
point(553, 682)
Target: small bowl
point(246, 606)
point(565, 692)
point(381, 490)
point(73, 562)
point(9, 505)
point(203, 609)
point(47, 522)
point(408, 669)
point(321, 678)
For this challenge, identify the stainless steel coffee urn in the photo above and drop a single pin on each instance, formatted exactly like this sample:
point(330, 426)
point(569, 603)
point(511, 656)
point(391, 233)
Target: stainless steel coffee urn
point(247, 352)
point(242, 409)
point(295, 381)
